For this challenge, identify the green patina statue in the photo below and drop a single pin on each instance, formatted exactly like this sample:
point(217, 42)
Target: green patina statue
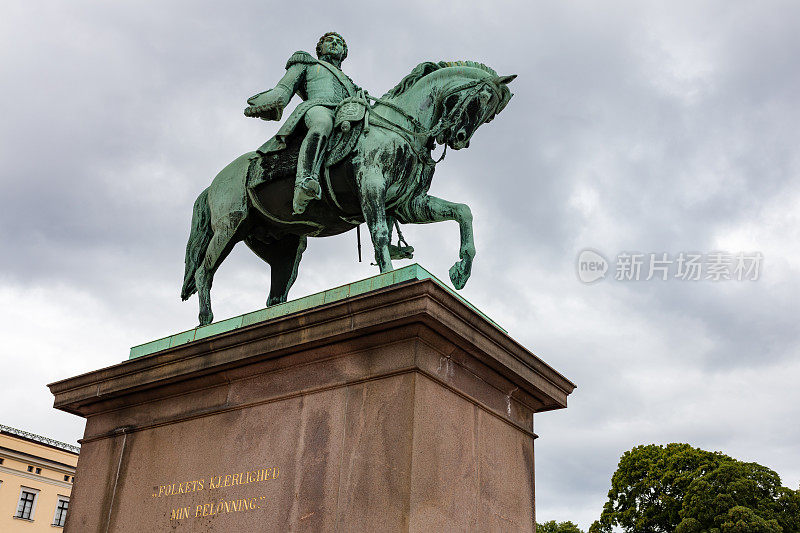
point(341, 159)
point(323, 86)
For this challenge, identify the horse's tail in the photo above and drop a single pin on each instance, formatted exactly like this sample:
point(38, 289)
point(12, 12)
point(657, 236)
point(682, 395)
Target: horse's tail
point(199, 238)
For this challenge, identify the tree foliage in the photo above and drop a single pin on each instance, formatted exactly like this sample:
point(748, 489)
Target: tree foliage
point(557, 527)
point(681, 489)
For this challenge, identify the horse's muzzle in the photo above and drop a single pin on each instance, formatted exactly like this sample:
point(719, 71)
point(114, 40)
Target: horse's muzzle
point(461, 140)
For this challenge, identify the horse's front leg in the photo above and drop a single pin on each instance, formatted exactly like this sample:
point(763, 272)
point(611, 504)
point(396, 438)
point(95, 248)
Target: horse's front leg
point(426, 209)
point(372, 189)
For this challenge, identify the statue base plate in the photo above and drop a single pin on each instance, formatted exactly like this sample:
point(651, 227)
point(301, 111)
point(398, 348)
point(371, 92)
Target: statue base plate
point(399, 409)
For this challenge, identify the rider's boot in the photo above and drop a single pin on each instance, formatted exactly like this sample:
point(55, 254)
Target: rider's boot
point(304, 191)
point(306, 185)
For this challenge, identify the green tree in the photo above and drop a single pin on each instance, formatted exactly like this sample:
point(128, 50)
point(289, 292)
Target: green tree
point(681, 489)
point(560, 527)
point(740, 519)
point(737, 485)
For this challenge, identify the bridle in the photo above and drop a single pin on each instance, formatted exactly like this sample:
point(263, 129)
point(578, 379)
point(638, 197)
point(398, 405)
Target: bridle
point(447, 122)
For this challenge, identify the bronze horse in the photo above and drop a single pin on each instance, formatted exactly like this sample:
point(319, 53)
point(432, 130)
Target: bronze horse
point(383, 177)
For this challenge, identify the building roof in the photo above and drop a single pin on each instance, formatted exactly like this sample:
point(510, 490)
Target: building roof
point(40, 440)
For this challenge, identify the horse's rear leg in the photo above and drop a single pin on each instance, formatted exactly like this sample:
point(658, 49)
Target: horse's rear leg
point(226, 235)
point(283, 256)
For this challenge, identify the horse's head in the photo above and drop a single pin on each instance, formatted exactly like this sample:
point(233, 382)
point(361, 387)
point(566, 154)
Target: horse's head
point(470, 104)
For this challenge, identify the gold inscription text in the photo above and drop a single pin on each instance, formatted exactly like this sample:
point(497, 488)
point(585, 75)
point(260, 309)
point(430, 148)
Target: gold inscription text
point(202, 510)
point(215, 482)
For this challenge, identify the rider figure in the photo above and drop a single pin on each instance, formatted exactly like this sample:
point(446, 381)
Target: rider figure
point(322, 85)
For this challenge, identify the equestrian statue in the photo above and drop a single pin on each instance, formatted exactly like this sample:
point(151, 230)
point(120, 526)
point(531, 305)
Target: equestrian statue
point(342, 158)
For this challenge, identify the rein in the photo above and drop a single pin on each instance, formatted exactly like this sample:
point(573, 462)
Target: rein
point(421, 132)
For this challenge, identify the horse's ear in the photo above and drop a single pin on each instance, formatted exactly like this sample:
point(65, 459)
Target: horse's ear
point(505, 93)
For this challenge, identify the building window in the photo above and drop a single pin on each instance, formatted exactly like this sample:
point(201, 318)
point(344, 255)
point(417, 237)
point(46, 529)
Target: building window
point(66, 478)
point(38, 470)
point(27, 503)
point(1, 460)
point(61, 511)
point(30, 468)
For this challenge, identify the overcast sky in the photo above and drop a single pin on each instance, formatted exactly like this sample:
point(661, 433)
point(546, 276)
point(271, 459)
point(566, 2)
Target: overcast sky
point(636, 127)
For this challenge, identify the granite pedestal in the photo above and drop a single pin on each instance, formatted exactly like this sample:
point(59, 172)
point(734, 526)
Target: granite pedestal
point(400, 409)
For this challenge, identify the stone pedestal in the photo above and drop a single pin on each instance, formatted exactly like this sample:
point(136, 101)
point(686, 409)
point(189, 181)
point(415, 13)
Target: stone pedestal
point(401, 409)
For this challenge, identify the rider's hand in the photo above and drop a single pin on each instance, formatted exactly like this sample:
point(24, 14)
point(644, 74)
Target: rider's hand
point(267, 105)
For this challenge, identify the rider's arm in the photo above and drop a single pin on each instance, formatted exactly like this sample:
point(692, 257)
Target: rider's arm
point(289, 84)
point(279, 96)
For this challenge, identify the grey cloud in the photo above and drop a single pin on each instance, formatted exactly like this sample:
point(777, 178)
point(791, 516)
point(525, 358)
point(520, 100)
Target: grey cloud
point(634, 127)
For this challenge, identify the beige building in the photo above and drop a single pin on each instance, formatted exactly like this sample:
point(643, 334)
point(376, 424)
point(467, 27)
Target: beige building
point(36, 476)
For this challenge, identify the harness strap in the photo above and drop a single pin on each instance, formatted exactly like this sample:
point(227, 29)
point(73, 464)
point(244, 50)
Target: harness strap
point(358, 237)
point(403, 132)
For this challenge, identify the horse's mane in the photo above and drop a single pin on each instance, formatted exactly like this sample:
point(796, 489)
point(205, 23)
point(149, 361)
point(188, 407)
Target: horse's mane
point(425, 68)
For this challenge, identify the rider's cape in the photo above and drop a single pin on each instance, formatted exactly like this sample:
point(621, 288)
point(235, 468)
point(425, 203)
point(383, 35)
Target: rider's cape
point(278, 142)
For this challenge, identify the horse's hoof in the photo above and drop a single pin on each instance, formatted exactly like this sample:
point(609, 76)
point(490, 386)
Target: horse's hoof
point(275, 301)
point(206, 319)
point(401, 252)
point(459, 274)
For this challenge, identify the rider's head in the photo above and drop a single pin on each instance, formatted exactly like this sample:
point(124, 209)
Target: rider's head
point(332, 44)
